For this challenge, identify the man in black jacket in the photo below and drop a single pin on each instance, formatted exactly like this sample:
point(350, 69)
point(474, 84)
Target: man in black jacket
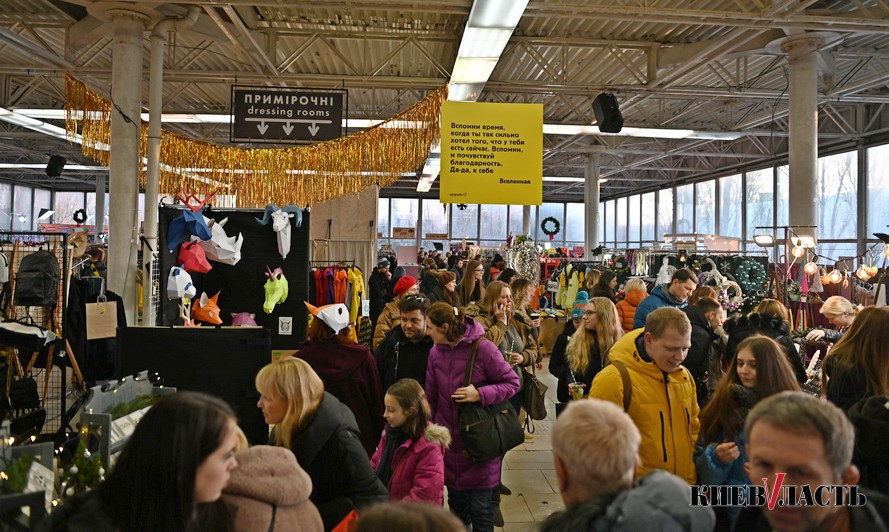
point(405, 351)
point(810, 441)
point(377, 284)
point(706, 317)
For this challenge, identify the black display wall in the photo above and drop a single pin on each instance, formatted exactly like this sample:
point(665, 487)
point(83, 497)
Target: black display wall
point(241, 285)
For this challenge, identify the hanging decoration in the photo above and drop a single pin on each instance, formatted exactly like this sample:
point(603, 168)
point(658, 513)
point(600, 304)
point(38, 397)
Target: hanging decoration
point(751, 276)
point(524, 258)
point(257, 176)
point(79, 216)
point(550, 232)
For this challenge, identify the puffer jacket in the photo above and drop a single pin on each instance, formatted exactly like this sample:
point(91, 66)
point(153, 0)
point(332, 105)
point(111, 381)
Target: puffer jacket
point(657, 502)
point(388, 320)
point(418, 466)
point(663, 407)
point(626, 308)
point(268, 486)
point(659, 297)
point(495, 381)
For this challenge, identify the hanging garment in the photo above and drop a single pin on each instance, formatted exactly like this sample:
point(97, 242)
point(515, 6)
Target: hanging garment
point(328, 279)
point(95, 357)
point(318, 274)
point(560, 295)
point(340, 280)
point(356, 278)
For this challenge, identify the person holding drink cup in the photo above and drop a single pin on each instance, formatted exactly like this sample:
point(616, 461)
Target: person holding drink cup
point(587, 350)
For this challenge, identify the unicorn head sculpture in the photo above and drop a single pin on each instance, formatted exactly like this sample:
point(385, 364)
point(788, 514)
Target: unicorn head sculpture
point(281, 224)
point(276, 289)
point(220, 247)
point(207, 310)
point(179, 284)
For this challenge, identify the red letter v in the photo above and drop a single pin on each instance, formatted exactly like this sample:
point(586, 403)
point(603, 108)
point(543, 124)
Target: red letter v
point(773, 495)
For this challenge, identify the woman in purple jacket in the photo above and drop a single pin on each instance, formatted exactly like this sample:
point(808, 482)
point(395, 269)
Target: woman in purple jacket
point(470, 485)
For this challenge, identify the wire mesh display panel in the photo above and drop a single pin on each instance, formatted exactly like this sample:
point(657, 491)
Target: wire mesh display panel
point(51, 385)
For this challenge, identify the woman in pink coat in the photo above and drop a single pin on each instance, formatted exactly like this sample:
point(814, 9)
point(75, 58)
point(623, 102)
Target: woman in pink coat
point(470, 485)
point(410, 456)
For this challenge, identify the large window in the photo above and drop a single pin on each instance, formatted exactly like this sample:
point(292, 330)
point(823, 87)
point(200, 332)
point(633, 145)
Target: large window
point(21, 209)
point(404, 213)
point(435, 217)
point(464, 222)
point(648, 216)
point(877, 189)
point(730, 202)
point(621, 223)
point(493, 226)
point(760, 194)
point(664, 213)
point(783, 194)
point(705, 207)
point(42, 200)
point(516, 214)
point(685, 206)
point(633, 219)
point(5, 207)
point(383, 217)
point(574, 222)
point(609, 223)
point(65, 204)
point(92, 219)
point(838, 195)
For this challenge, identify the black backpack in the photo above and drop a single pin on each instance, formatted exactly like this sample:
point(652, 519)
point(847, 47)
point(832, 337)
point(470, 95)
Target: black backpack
point(37, 281)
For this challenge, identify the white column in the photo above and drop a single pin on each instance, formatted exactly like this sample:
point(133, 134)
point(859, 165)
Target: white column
point(101, 186)
point(126, 92)
point(591, 205)
point(526, 220)
point(803, 143)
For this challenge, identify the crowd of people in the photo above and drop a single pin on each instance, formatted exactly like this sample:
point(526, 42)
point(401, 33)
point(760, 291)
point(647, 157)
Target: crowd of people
point(656, 392)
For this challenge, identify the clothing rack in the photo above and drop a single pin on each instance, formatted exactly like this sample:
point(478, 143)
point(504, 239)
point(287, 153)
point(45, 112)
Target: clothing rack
point(316, 263)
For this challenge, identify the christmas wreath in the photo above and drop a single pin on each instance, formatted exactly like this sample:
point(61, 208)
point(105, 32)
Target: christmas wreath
point(751, 276)
point(79, 216)
point(551, 233)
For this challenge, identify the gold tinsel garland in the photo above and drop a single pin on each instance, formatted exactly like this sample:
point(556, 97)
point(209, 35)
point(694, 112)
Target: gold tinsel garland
point(257, 176)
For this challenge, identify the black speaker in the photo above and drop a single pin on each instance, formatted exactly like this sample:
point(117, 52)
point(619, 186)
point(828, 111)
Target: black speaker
point(607, 113)
point(55, 166)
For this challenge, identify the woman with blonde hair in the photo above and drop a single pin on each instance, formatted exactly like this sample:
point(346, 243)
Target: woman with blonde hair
point(587, 351)
point(322, 434)
point(858, 365)
point(773, 307)
point(841, 313)
point(635, 291)
point(471, 287)
point(591, 278)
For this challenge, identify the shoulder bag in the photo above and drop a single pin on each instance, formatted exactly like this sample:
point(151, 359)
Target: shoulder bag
point(487, 431)
point(534, 398)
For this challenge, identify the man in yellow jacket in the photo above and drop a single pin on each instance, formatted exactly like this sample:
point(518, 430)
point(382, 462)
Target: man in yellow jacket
point(661, 393)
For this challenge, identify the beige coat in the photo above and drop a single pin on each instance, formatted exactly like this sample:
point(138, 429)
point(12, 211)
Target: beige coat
point(268, 482)
point(389, 319)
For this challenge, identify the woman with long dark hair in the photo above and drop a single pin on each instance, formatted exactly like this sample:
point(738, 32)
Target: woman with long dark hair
point(471, 288)
point(759, 370)
point(323, 435)
point(606, 286)
point(446, 290)
point(172, 469)
point(858, 365)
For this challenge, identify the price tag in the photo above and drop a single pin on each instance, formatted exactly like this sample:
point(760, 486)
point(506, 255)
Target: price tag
point(40, 478)
point(123, 427)
point(365, 307)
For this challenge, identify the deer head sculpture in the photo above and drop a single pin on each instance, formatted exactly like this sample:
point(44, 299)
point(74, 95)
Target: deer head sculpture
point(191, 222)
point(281, 224)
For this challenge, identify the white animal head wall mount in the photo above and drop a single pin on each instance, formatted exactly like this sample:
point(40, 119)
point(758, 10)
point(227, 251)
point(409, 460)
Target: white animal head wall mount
point(280, 218)
point(221, 247)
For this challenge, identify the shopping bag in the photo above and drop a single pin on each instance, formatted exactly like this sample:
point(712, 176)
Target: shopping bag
point(101, 319)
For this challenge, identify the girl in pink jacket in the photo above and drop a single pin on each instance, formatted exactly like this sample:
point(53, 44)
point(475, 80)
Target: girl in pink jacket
point(410, 456)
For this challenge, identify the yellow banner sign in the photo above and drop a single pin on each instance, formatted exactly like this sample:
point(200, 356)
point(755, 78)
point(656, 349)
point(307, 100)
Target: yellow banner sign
point(491, 153)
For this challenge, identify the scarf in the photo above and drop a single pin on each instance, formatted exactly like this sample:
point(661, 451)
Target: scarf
point(394, 438)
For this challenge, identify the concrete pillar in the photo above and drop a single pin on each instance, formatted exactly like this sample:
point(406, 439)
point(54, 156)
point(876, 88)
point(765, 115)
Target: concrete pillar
point(591, 205)
point(802, 50)
point(526, 220)
point(126, 92)
point(101, 186)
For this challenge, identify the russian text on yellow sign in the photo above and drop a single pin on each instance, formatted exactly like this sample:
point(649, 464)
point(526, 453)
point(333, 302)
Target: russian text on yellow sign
point(491, 153)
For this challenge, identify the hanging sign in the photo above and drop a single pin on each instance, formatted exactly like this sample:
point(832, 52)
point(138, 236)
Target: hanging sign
point(287, 116)
point(491, 153)
point(404, 232)
point(436, 236)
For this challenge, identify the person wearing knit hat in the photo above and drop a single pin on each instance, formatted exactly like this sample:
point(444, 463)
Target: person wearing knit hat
point(446, 290)
point(391, 316)
point(582, 300)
